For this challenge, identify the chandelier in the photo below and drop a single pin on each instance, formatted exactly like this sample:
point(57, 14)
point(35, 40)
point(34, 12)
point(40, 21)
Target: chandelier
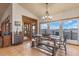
point(47, 18)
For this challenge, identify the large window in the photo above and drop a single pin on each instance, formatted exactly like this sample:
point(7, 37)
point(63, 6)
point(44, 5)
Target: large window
point(54, 28)
point(70, 29)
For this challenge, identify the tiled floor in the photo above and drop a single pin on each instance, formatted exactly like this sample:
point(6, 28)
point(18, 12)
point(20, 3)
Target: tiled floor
point(25, 50)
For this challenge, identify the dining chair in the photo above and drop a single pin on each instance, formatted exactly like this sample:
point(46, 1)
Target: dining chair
point(63, 43)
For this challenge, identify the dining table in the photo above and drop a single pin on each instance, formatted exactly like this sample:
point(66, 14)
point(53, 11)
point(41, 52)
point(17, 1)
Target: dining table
point(48, 41)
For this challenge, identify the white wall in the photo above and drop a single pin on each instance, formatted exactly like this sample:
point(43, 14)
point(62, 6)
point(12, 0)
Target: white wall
point(17, 12)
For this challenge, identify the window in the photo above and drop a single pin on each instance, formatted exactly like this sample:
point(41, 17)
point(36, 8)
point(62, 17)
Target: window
point(54, 28)
point(43, 28)
point(70, 29)
point(71, 24)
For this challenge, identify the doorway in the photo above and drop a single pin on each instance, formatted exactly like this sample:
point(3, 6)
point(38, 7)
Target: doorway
point(29, 27)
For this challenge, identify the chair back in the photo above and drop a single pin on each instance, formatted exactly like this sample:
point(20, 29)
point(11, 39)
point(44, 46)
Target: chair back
point(65, 39)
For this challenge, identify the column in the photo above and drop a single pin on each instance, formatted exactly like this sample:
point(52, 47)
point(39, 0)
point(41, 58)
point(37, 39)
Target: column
point(38, 26)
point(78, 28)
point(61, 30)
point(48, 31)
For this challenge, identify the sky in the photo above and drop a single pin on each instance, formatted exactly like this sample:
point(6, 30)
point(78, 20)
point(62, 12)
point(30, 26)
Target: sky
point(66, 25)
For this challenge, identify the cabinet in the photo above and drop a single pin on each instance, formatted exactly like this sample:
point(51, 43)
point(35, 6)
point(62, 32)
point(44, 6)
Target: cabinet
point(6, 40)
point(6, 32)
point(0, 41)
point(18, 38)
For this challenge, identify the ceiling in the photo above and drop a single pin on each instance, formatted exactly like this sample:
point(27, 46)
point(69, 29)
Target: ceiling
point(39, 9)
point(3, 7)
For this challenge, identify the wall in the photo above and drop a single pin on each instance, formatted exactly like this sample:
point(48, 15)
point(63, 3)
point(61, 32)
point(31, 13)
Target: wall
point(17, 12)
